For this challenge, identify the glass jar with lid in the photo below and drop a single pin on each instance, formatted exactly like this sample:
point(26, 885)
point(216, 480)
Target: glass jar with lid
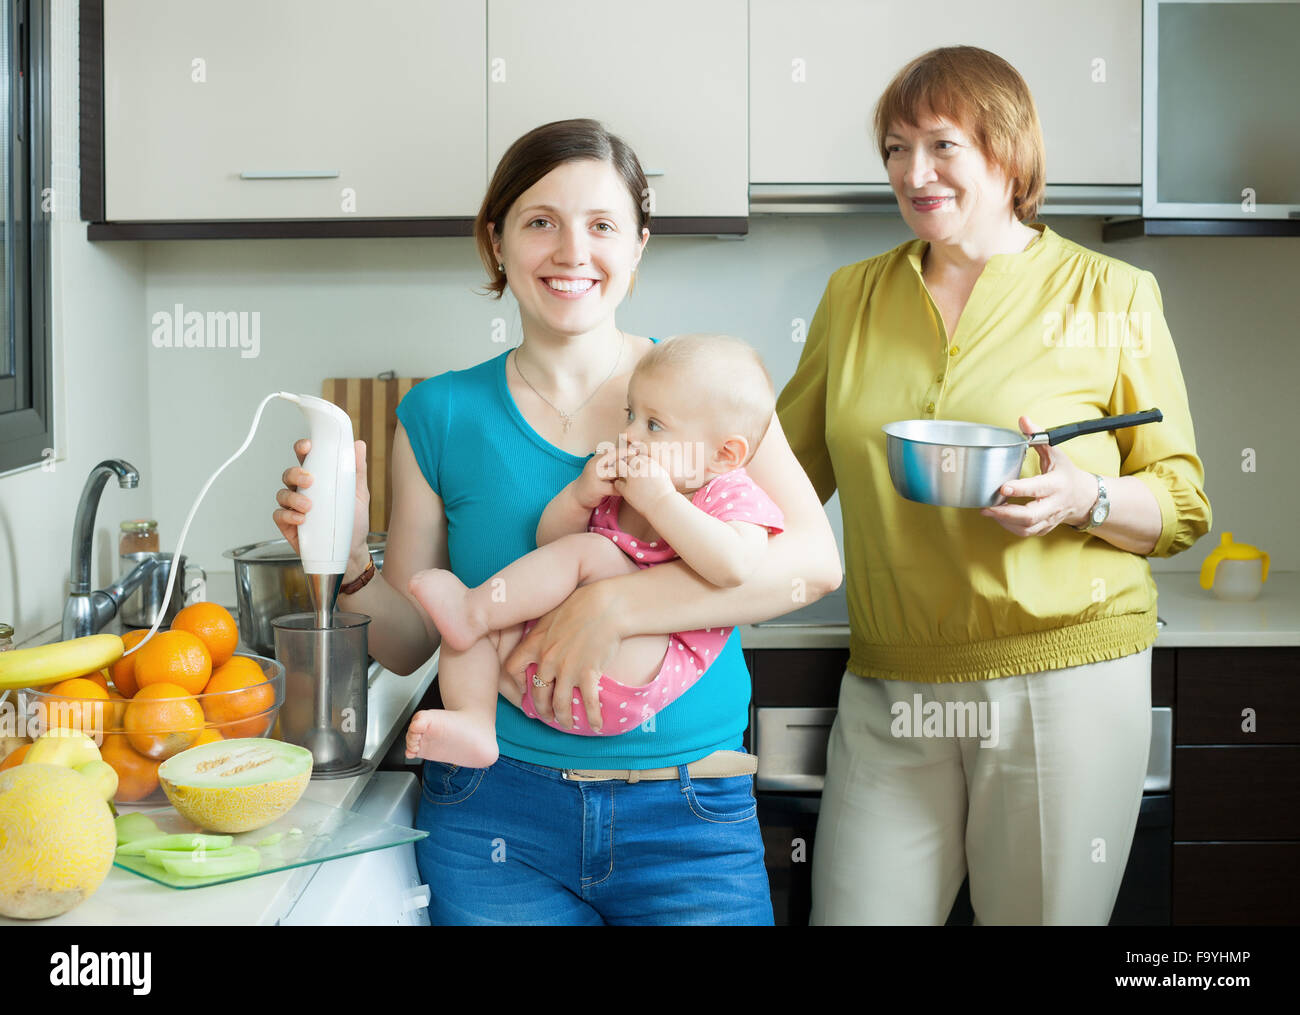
point(139, 535)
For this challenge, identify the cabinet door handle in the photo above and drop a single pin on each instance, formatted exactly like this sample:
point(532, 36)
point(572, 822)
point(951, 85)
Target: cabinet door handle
point(653, 172)
point(416, 898)
point(288, 174)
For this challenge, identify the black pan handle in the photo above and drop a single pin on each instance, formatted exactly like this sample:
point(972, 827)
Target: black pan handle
point(1064, 433)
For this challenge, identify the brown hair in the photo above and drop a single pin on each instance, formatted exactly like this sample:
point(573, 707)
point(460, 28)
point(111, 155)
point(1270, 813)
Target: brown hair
point(982, 93)
point(533, 156)
point(739, 386)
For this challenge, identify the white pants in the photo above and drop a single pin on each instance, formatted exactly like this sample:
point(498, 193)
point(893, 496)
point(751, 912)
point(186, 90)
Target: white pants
point(1042, 821)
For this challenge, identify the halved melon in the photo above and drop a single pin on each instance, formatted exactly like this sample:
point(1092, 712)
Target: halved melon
point(236, 785)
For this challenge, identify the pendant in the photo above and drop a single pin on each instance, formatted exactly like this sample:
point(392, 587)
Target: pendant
point(567, 419)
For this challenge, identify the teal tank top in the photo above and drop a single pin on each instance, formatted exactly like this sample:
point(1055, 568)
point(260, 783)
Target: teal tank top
point(495, 475)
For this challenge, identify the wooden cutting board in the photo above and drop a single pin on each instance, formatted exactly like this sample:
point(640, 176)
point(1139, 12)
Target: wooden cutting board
point(371, 404)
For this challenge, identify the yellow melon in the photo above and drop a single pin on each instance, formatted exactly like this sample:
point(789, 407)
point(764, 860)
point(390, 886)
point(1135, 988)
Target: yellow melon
point(56, 841)
point(236, 785)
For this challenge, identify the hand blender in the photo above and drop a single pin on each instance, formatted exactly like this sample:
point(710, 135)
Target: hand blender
point(324, 543)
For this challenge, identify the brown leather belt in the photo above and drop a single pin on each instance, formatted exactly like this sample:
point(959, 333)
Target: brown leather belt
point(718, 765)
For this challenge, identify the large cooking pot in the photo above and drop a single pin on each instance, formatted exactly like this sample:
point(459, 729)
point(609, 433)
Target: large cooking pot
point(955, 464)
point(269, 583)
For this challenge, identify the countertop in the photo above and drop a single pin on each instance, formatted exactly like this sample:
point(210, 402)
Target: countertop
point(128, 899)
point(1193, 618)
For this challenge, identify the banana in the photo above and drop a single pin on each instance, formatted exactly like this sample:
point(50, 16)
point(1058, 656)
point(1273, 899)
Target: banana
point(68, 748)
point(48, 664)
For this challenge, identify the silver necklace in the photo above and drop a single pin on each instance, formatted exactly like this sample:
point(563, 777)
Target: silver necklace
point(567, 418)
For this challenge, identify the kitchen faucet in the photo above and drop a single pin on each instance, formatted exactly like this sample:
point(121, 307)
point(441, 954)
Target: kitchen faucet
point(87, 612)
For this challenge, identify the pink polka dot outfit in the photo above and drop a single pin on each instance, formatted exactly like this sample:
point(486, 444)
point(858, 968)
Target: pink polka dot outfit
point(732, 496)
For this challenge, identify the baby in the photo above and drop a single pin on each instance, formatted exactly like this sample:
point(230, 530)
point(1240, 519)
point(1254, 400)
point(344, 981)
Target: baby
point(698, 407)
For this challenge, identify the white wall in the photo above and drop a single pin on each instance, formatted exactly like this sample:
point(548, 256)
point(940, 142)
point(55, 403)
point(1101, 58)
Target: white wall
point(358, 307)
point(100, 395)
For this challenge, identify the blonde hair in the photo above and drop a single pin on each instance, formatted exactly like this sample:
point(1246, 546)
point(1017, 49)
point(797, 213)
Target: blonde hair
point(982, 93)
point(740, 388)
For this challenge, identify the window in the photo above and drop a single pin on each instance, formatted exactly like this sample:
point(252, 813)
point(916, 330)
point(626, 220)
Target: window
point(25, 354)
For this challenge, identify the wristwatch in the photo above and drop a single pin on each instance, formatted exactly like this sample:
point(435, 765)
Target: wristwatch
point(1100, 509)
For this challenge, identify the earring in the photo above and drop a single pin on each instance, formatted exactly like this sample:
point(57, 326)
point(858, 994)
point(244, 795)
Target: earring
point(501, 268)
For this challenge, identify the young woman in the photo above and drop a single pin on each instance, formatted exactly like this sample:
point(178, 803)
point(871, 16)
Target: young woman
point(657, 825)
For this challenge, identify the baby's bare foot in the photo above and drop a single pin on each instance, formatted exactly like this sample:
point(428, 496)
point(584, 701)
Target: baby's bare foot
point(456, 738)
point(445, 598)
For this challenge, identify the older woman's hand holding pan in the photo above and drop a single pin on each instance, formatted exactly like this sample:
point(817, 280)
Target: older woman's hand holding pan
point(1063, 492)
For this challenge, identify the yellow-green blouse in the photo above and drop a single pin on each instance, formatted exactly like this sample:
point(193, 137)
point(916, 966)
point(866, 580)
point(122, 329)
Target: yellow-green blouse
point(1056, 332)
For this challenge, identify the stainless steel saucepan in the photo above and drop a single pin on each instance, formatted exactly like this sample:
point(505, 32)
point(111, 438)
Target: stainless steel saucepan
point(269, 583)
point(954, 464)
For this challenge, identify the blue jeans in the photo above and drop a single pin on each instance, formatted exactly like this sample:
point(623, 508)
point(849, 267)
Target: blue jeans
point(518, 844)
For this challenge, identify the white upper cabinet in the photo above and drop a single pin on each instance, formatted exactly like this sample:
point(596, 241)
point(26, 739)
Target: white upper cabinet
point(817, 68)
point(293, 109)
point(669, 78)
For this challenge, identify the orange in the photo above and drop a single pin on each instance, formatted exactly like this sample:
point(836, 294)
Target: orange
point(123, 671)
point(213, 625)
point(237, 699)
point(76, 704)
point(162, 720)
point(208, 736)
point(116, 712)
point(15, 758)
point(137, 776)
point(173, 657)
point(99, 677)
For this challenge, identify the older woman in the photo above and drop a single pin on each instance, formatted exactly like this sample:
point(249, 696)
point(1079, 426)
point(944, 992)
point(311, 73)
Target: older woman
point(1035, 618)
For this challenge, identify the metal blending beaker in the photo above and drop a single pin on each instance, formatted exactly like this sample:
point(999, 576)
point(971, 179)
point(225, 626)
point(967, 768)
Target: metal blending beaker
point(325, 688)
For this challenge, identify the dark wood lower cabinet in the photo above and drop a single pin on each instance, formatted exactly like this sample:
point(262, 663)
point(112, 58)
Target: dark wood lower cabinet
point(1236, 794)
point(1236, 782)
point(1237, 883)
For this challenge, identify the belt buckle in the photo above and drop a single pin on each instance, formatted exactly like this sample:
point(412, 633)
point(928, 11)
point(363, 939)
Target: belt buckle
point(610, 775)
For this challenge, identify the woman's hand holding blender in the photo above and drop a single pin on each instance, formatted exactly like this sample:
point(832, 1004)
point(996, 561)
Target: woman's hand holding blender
point(294, 505)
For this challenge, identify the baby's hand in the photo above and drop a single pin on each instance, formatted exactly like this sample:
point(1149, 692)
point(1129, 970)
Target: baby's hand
point(597, 479)
point(642, 480)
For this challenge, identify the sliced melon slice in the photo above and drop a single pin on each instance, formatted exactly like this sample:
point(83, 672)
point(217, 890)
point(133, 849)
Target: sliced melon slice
point(238, 860)
point(236, 785)
point(181, 842)
point(156, 856)
point(131, 827)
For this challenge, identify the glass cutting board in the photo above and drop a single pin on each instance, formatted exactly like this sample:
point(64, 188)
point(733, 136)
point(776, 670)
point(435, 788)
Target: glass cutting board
point(322, 833)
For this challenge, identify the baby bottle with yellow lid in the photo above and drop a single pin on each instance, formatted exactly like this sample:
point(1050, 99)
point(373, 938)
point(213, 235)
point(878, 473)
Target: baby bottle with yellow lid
point(1235, 571)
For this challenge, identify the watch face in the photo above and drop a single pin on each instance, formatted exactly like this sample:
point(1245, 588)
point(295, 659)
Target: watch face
point(1099, 513)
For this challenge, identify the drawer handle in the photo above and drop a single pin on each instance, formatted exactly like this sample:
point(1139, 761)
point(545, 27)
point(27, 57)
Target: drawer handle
point(288, 174)
point(416, 898)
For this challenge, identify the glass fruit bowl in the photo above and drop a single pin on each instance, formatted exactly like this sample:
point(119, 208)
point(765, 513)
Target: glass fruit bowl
point(136, 735)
